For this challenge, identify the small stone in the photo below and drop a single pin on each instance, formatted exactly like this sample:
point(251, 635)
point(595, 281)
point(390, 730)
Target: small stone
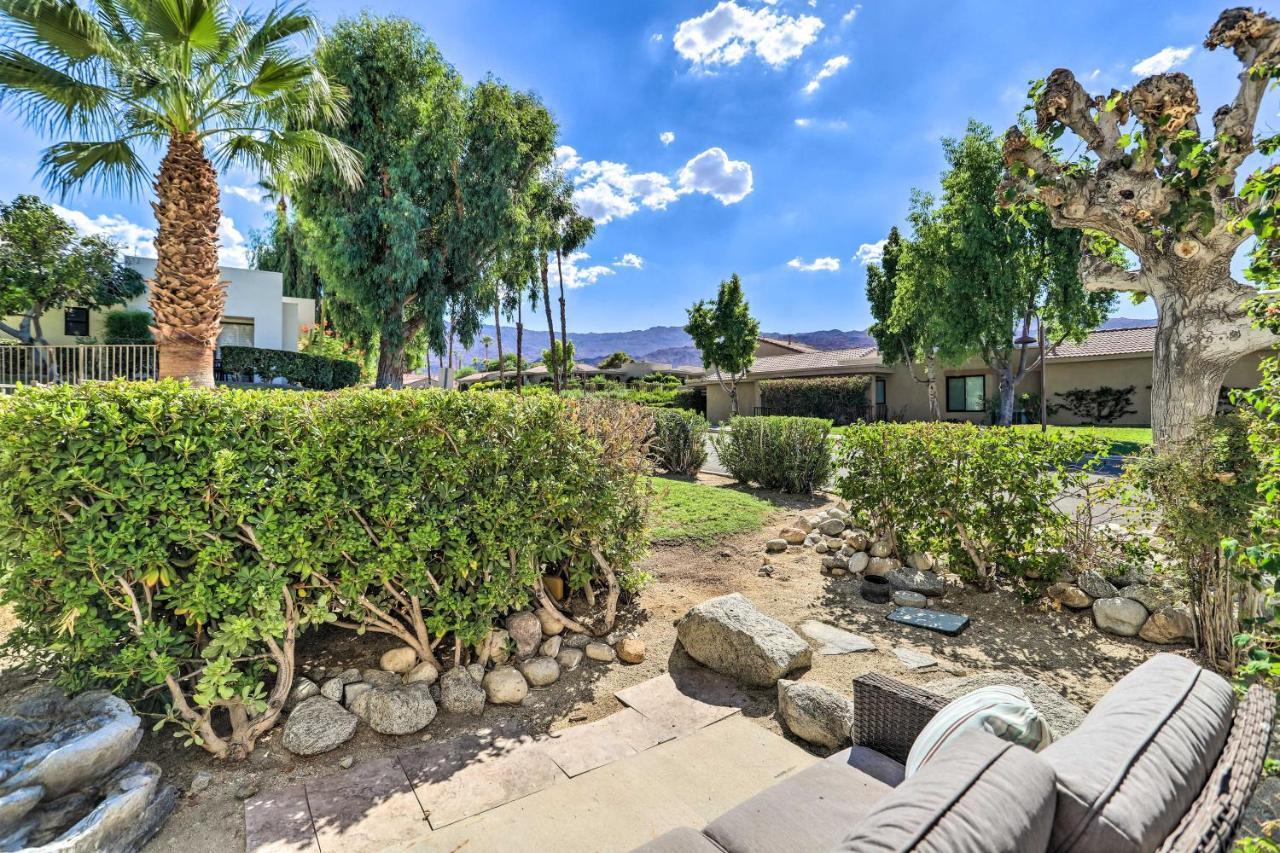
point(380, 677)
point(820, 548)
point(245, 789)
point(833, 561)
point(332, 689)
point(803, 523)
point(774, 546)
point(923, 582)
point(630, 650)
point(1151, 597)
point(348, 675)
point(318, 725)
point(569, 658)
point(477, 672)
point(813, 539)
point(551, 622)
point(914, 660)
point(399, 660)
point(792, 535)
point(881, 548)
point(858, 562)
point(857, 539)
point(815, 713)
point(461, 693)
point(551, 646)
point(837, 512)
point(838, 572)
point(814, 521)
point(398, 711)
point(1096, 586)
point(554, 586)
point(1069, 595)
point(601, 652)
point(351, 691)
point(832, 526)
point(907, 598)
point(423, 673)
point(577, 641)
point(1121, 616)
point(922, 562)
point(881, 566)
point(540, 671)
point(505, 686)
point(303, 689)
point(848, 551)
point(1168, 625)
point(202, 780)
point(498, 645)
point(346, 762)
point(526, 630)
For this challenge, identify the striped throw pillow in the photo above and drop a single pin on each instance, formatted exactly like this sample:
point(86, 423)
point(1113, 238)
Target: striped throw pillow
point(1001, 710)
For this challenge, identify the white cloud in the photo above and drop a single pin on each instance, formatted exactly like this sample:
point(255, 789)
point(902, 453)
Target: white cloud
point(656, 37)
point(848, 17)
point(578, 275)
point(139, 240)
point(713, 173)
point(667, 137)
point(804, 122)
point(630, 259)
point(605, 190)
point(870, 253)
point(729, 32)
point(816, 265)
point(1094, 74)
point(822, 124)
point(829, 69)
point(1163, 61)
point(253, 195)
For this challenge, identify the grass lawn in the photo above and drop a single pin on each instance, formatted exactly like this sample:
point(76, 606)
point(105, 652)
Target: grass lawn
point(691, 512)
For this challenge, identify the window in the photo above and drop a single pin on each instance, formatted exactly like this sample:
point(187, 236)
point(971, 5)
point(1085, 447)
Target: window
point(966, 393)
point(880, 392)
point(75, 322)
point(236, 333)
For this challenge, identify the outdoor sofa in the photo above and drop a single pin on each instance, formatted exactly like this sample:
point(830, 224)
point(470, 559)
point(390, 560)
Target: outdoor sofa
point(1167, 761)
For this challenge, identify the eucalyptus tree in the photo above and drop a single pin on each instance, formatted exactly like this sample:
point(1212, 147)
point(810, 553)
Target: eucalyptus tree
point(573, 231)
point(727, 335)
point(445, 169)
point(902, 313)
point(206, 84)
point(1170, 194)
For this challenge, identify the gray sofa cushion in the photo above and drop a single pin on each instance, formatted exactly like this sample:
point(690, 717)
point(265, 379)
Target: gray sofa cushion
point(682, 839)
point(877, 765)
point(979, 794)
point(1140, 758)
point(810, 811)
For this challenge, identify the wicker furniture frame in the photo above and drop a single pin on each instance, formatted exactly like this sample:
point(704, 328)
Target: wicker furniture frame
point(888, 715)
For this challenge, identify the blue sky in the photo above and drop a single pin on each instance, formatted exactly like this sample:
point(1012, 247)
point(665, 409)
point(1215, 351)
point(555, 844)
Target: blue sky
point(779, 140)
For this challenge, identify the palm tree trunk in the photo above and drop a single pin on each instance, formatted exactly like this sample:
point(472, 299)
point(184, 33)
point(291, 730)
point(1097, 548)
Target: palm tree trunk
point(497, 327)
point(554, 368)
point(564, 334)
point(187, 293)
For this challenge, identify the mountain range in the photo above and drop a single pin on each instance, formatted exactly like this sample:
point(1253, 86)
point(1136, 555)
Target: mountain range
point(672, 345)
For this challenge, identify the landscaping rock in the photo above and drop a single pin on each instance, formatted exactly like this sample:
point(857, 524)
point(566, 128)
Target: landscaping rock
point(922, 562)
point(602, 652)
point(423, 673)
point(569, 658)
point(318, 725)
point(848, 551)
point(923, 582)
point(881, 566)
point(858, 562)
point(1096, 586)
point(834, 561)
point(382, 677)
point(1069, 595)
point(803, 523)
point(1151, 597)
point(1121, 616)
point(835, 641)
point(792, 535)
point(461, 693)
point(857, 539)
point(881, 548)
point(837, 512)
point(395, 711)
point(820, 548)
point(303, 689)
point(201, 781)
point(551, 622)
point(540, 671)
point(915, 660)
point(815, 713)
point(332, 689)
point(497, 643)
point(577, 641)
point(812, 539)
point(1168, 625)
point(775, 546)
point(526, 630)
point(907, 598)
point(505, 686)
point(354, 689)
point(832, 526)
point(399, 660)
point(551, 646)
point(1126, 575)
point(730, 635)
point(630, 650)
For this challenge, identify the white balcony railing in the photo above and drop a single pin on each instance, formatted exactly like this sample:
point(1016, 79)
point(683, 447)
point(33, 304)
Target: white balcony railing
point(39, 364)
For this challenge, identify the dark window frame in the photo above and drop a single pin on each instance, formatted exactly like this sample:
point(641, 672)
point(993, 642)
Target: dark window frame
point(880, 391)
point(72, 327)
point(964, 395)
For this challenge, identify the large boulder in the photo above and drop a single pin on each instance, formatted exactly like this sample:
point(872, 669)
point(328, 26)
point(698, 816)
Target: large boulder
point(858, 562)
point(1121, 616)
point(460, 693)
point(1095, 585)
point(815, 713)
point(1151, 597)
point(1168, 625)
point(318, 725)
point(915, 580)
point(396, 711)
point(730, 635)
point(832, 526)
point(882, 548)
point(793, 535)
point(99, 732)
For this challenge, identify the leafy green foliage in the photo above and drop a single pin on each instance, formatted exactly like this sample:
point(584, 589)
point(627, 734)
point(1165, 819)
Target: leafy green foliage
point(45, 263)
point(161, 537)
point(726, 334)
point(783, 453)
point(840, 399)
point(280, 247)
point(128, 327)
point(1098, 405)
point(695, 512)
point(310, 371)
point(558, 359)
point(981, 497)
point(679, 442)
point(615, 359)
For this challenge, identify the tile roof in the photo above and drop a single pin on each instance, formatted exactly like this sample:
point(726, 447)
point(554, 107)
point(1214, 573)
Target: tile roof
point(837, 359)
point(793, 345)
point(1106, 342)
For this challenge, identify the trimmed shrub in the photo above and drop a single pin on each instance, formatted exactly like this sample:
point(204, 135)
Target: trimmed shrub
point(787, 454)
point(317, 372)
point(982, 496)
point(840, 399)
point(128, 327)
point(170, 543)
point(679, 440)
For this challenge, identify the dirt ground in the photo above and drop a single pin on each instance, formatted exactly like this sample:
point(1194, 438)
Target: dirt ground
point(1063, 650)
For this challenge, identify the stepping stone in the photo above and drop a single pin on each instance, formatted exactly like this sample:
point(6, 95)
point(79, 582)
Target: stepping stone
point(835, 641)
point(685, 700)
point(951, 624)
point(467, 775)
point(369, 807)
point(914, 660)
point(586, 747)
point(279, 822)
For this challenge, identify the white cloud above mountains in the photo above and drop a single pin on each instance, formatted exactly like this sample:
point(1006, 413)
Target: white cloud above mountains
point(1162, 61)
point(139, 240)
point(830, 68)
point(729, 33)
point(605, 190)
point(816, 265)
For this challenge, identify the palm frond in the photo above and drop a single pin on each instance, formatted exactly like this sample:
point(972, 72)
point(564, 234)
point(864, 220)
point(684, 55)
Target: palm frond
point(281, 23)
point(194, 23)
point(49, 98)
point(113, 166)
point(294, 155)
point(60, 28)
point(279, 74)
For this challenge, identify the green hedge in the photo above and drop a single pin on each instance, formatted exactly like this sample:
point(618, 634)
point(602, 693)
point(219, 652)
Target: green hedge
point(679, 442)
point(841, 399)
point(166, 541)
point(310, 371)
point(128, 327)
point(787, 454)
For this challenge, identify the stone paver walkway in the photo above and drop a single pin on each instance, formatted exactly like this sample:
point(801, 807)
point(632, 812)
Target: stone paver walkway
point(678, 754)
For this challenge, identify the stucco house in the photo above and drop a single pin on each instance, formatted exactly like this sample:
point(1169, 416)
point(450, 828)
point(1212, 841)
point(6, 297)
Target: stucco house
point(1116, 358)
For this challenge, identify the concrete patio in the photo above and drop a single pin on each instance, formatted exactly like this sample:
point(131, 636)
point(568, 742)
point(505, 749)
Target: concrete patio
point(678, 754)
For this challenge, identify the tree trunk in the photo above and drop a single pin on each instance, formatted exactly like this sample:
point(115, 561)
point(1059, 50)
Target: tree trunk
point(554, 369)
point(931, 376)
point(391, 363)
point(564, 332)
point(497, 329)
point(1004, 378)
point(520, 345)
point(187, 294)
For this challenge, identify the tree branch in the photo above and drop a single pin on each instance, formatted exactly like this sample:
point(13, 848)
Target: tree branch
point(1097, 273)
point(1254, 37)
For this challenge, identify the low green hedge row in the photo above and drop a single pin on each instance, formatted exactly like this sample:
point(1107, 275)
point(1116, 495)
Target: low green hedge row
point(317, 372)
point(167, 541)
point(841, 399)
point(679, 443)
point(787, 454)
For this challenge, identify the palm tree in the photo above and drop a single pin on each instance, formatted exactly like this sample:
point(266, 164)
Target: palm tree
point(486, 342)
point(202, 82)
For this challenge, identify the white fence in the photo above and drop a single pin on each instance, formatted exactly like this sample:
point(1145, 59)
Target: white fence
point(40, 364)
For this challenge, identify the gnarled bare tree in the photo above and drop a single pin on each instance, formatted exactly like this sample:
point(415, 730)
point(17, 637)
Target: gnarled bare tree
point(1152, 182)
